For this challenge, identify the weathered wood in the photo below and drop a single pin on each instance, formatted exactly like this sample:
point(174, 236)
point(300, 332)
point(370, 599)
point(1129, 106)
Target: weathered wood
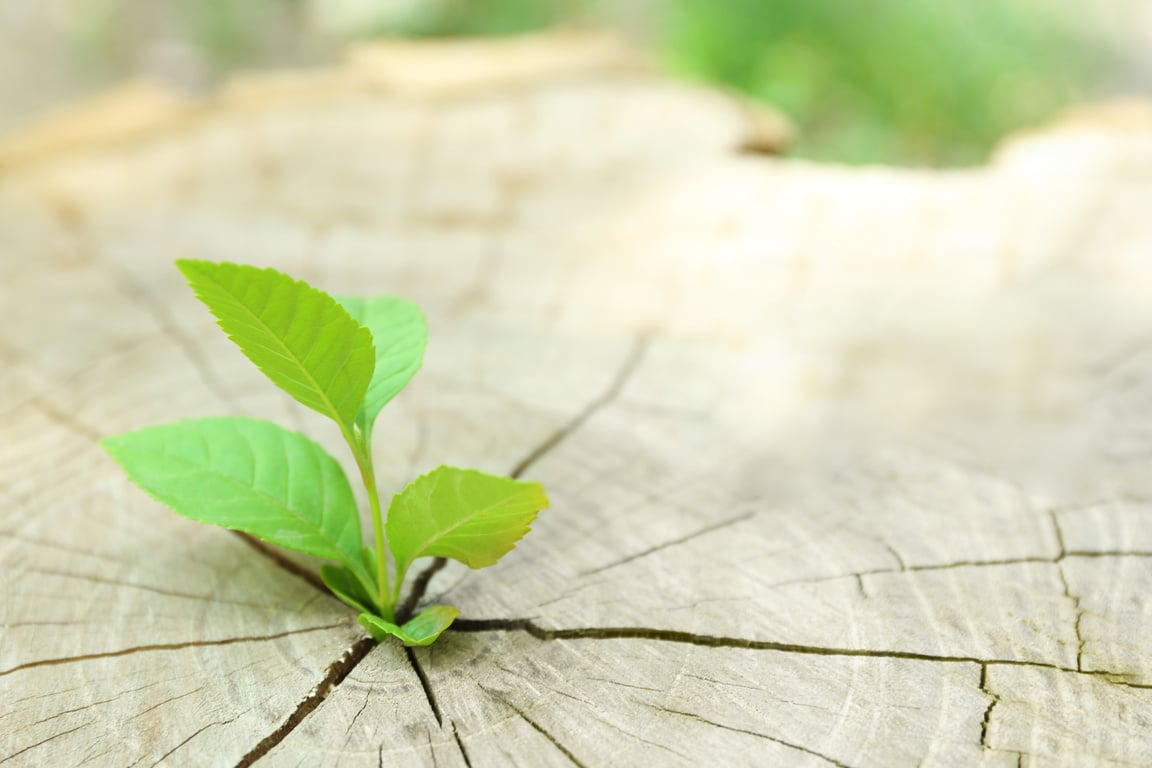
point(848, 467)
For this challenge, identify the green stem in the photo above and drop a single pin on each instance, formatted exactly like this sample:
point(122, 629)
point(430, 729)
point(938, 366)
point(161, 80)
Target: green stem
point(362, 450)
point(400, 574)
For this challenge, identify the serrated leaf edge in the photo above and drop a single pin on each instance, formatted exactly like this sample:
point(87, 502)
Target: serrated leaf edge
point(403, 566)
point(333, 412)
point(109, 445)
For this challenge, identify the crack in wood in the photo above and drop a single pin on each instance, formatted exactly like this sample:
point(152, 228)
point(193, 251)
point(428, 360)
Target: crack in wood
point(1057, 559)
point(143, 587)
point(460, 746)
point(176, 748)
point(757, 734)
point(334, 675)
point(627, 368)
point(431, 751)
point(434, 705)
point(610, 681)
point(163, 647)
point(896, 556)
point(63, 386)
point(30, 747)
point(285, 562)
point(426, 685)
point(49, 695)
point(708, 641)
point(1074, 599)
point(92, 758)
point(79, 709)
point(1109, 553)
point(37, 542)
point(717, 641)
point(615, 387)
point(65, 419)
point(168, 700)
point(17, 624)
point(340, 669)
point(167, 324)
point(675, 542)
point(419, 587)
point(536, 726)
point(994, 699)
point(355, 717)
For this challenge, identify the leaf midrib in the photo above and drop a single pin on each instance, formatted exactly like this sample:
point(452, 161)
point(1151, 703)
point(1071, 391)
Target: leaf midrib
point(428, 542)
point(249, 488)
point(289, 355)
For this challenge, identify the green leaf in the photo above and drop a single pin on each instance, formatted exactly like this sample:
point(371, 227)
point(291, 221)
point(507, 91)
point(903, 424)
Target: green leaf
point(463, 514)
point(301, 338)
point(368, 558)
point(347, 587)
point(247, 475)
point(400, 335)
point(422, 630)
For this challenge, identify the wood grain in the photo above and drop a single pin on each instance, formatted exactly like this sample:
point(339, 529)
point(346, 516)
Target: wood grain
point(849, 467)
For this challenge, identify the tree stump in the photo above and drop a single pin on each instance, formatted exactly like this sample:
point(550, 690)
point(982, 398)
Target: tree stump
point(849, 467)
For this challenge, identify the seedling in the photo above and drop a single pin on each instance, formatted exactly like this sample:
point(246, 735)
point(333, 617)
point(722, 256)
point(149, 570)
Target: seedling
point(346, 358)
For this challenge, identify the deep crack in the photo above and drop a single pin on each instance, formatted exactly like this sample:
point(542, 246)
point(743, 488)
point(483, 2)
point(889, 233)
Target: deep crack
point(335, 675)
point(719, 641)
point(426, 685)
point(419, 587)
point(285, 562)
point(994, 699)
point(460, 745)
point(340, 669)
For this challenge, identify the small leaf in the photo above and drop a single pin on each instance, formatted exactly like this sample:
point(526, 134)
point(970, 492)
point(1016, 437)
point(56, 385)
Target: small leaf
point(300, 337)
point(344, 584)
point(422, 630)
point(429, 624)
point(378, 627)
point(467, 515)
point(399, 335)
point(247, 475)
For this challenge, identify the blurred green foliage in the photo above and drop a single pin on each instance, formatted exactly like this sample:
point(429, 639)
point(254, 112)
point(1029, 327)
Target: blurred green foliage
point(460, 18)
point(108, 35)
point(913, 81)
point(934, 82)
point(229, 30)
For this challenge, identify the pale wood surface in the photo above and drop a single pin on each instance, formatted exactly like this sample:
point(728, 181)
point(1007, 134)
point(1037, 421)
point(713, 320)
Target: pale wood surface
point(848, 467)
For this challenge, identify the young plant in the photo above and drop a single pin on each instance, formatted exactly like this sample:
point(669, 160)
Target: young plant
point(346, 358)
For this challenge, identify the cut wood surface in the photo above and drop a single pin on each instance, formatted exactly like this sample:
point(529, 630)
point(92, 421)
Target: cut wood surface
point(848, 467)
